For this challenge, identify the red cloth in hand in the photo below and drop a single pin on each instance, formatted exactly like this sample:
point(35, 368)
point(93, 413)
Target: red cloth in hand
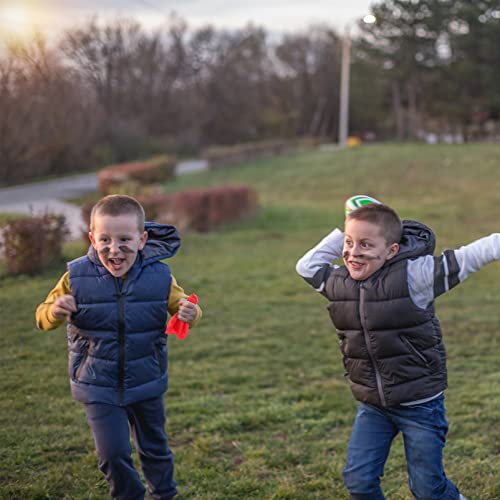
point(178, 327)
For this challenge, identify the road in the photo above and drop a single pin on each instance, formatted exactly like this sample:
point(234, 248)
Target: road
point(49, 196)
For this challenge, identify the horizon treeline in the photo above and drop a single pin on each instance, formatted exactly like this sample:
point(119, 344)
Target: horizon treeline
point(111, 92)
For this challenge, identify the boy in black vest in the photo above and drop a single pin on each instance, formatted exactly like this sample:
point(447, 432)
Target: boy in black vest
point(115, 300)
point(382, 306)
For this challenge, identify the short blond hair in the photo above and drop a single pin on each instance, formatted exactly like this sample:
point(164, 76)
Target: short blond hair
point(382, 216)
point(118, 204)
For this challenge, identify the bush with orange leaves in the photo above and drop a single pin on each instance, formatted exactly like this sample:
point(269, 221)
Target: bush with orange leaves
point(208, 208)
point(157, 169)
point(202, 209)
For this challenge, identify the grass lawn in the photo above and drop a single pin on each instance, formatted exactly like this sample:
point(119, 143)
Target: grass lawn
point(5, 218)
point(258, 406)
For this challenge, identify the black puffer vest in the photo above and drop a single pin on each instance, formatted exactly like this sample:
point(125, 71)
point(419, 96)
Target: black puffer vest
point(392, 350)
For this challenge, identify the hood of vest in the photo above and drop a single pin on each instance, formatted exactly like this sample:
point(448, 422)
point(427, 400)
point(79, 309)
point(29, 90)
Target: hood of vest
point(417, 240)
point(163, 243)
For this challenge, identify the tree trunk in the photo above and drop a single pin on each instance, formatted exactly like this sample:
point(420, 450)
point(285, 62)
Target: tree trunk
point(398, 110)
point(411, 89)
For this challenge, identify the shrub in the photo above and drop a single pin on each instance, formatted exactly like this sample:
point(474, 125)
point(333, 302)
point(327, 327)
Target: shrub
point(197, 209)
point(157, 169)
point(156, 206)
point(33, 243)
point(205, 209)
point(191, 210)
point(136, 189)
point(223, 156)
point(231, 203)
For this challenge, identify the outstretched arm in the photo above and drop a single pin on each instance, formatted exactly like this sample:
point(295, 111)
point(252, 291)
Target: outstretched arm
point(475, 255)
point(429, 277)
point(316, 265)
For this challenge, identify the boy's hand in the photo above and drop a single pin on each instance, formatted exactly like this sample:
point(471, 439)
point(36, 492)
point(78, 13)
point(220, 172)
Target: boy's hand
point(63, 306)
point(187, 311)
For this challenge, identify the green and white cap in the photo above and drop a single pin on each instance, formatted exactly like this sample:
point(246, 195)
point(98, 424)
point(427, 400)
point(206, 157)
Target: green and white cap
point(358, 201)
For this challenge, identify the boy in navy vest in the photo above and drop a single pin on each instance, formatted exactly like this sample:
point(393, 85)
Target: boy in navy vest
point(382, 306)
point(115, 300)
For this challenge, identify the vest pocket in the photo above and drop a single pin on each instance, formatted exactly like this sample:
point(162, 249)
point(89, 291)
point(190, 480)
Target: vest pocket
point(412, 348)
point(342, 342)
point(161, 357)
point(81, 365)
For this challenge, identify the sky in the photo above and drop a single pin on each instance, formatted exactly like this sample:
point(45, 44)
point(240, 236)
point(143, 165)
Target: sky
point(17, 17)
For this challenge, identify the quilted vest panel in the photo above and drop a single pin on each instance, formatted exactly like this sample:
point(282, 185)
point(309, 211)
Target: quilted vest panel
point(392, 350)
point(116, 339)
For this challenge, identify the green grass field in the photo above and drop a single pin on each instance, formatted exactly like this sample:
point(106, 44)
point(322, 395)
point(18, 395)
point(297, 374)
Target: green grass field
point(258, 407)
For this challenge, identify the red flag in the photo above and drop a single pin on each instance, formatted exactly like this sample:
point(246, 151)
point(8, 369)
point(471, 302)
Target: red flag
point(178, 327)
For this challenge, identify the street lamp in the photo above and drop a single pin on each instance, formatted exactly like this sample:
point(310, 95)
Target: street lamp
point(344, 80)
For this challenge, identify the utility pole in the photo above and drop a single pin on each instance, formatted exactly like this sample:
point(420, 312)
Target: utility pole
point(345, 71)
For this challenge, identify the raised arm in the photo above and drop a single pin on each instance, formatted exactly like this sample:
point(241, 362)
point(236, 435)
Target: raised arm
point(429, 277)
point(315, 266)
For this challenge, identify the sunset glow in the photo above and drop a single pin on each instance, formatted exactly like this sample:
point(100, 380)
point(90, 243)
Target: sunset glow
point(15, 19)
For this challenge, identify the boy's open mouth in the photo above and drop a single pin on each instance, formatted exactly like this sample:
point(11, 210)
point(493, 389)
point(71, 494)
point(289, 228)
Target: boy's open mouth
point(116, 264)
point(356, 265)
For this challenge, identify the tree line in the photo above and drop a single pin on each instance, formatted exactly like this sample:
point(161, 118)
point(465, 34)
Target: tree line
point(110, 92)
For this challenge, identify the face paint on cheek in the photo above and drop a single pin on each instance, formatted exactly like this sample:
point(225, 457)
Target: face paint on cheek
point(347, 254)
point(122, 248)
point(125, 249)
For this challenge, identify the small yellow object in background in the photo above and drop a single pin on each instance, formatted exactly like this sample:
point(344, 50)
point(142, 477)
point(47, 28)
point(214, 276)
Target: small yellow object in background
point(353, 141)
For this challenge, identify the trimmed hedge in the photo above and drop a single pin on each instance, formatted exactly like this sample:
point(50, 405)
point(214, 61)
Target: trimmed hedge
point(33, 243)
point(157, 169)
point(206, 209)
point(196, 209)
point(225, 156)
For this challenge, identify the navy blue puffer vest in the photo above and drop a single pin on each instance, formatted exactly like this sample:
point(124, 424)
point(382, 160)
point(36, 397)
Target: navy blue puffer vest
point(116, 339)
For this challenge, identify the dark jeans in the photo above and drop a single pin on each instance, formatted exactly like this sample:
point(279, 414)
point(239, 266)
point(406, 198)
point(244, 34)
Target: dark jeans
point(424, 429)
point(111, 426)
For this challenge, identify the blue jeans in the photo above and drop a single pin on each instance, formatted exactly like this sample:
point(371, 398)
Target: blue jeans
point(111, 426)
point(424, 429)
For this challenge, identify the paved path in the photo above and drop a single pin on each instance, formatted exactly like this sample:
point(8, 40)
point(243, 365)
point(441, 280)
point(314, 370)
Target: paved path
point(48, 196)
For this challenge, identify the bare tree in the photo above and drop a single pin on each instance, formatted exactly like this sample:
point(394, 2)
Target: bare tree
point(309, 66)
point(43, 126)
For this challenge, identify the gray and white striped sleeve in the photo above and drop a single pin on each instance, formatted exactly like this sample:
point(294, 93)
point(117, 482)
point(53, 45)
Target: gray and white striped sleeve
point(316, 264)
point(429, 277)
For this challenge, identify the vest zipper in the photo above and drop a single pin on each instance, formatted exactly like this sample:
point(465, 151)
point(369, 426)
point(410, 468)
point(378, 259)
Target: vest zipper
point(121, 344)
point(369, 346)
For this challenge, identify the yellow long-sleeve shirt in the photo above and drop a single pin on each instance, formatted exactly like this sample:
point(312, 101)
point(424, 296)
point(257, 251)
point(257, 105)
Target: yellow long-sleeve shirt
point(46, 321)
